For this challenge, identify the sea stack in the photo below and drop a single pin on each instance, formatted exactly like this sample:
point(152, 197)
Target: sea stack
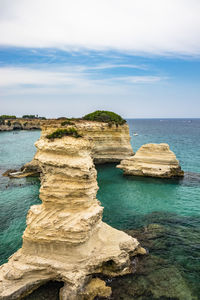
point(111, 142)
point(153, 160)
point(65, 238)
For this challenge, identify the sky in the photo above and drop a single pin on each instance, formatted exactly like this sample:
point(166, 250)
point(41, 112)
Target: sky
point(138, 58)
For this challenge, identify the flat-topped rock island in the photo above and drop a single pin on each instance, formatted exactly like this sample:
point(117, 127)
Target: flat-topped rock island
point(152, 160)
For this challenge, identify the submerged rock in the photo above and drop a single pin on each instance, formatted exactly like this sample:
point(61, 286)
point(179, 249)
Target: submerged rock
point(65, 238)
point(159, 276)
point(154, 279)
point(154, 160)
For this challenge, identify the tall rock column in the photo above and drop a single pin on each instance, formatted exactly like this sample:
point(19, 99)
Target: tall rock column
point(65, 238)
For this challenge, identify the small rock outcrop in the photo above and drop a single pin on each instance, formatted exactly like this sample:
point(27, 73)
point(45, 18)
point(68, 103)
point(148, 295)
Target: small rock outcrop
point(65, 238)
point(154, 160)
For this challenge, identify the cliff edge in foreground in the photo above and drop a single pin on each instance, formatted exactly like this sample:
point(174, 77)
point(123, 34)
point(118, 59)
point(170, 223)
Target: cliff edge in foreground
point(65, 238)
point(153, 160)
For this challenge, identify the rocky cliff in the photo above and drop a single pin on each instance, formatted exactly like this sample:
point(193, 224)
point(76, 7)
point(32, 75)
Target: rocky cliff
point(21, 124)
point(65, 238)
point(154, 160)
point(110, 143)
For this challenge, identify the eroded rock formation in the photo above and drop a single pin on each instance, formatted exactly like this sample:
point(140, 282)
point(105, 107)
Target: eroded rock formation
point(65, 238)
point(111, 142)
point(154, 160)
point(21, 124)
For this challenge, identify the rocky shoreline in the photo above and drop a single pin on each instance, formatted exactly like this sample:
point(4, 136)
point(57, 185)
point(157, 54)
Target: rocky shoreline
point(21, 124)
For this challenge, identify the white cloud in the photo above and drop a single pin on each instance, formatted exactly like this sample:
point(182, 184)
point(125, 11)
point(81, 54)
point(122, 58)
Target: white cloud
point(139, 26)
point(11, 76)
point(141, 79)
point(67, 80)
point(113, 66)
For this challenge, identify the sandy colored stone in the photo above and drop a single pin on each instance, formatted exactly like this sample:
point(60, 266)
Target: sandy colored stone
point(96, 287)
point(154, 160)
point(65, 238)
point(21, 124)
point(111, 142)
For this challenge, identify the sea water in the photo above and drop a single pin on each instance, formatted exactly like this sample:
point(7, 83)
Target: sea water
point(16, 195)
point(164, 214)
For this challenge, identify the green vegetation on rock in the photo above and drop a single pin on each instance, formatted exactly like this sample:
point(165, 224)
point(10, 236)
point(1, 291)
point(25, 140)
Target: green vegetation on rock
point(67, 122)
point(105, 116)
point(59, 133)
point(33, 117)
point(28, 117)
point(3, 117)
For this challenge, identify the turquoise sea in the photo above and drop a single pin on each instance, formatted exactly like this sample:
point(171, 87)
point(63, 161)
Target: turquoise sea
point(164, 214)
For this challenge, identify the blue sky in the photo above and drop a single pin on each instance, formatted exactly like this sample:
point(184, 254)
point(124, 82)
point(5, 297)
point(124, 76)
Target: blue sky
point(63, 58)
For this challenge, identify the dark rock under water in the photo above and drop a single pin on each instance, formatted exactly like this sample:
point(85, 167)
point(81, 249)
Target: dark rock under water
point(165, 273)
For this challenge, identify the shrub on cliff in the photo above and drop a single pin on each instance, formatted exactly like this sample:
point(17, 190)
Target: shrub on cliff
point(3, 117)
point(105, 116)
point(59, 133)
point(29, 117)
point(67, 122)
point(62, 118)
point(33, 117)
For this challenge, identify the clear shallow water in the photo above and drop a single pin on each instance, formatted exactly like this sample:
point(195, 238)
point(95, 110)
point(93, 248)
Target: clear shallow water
point(163, 214)
point(16, 195)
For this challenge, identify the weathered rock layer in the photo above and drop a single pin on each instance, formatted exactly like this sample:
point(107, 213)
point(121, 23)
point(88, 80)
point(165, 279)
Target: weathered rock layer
point(111, 143)
point(21, 124)
point(65, 238)
point(154, 160)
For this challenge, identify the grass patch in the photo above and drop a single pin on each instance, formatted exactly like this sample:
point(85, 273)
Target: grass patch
point(106, 117)
point(59, 133)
